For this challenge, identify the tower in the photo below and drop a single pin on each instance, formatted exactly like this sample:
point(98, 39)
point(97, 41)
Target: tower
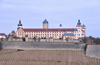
point(79, 28)
point(45, 24)
point(19, 25)
point(84, 30)
point(76, 33)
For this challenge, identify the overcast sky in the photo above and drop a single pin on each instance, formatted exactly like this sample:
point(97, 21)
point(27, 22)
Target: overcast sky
point(66, 12)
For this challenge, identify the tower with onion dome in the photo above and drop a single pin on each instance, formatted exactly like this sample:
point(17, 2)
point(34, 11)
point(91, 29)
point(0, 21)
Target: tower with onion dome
point(19, 25)
point(45, 24)
point(81, 30)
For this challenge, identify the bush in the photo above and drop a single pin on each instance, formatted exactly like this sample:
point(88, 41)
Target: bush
point(44, 37)
point(91, 40)
point(34, 38)
point(1, 39)
point(60, 38)
point(24, 39)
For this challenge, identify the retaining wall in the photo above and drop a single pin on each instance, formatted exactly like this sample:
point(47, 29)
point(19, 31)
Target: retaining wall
point(93, 50)
point(44, 46)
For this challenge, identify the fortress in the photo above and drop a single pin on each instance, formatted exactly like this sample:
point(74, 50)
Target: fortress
point(55, 33)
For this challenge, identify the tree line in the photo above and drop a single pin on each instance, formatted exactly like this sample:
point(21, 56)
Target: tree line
point(91, 40)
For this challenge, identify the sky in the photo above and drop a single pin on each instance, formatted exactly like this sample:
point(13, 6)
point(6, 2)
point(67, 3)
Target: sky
point(32, 13)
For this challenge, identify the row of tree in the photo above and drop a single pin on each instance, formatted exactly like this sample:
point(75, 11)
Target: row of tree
point(91, 40)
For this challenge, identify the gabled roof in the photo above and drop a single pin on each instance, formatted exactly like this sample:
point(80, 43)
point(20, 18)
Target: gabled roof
point(13, 31)
point(2, 34)
point(9, 34)
point(66, 29)
point(68, 34)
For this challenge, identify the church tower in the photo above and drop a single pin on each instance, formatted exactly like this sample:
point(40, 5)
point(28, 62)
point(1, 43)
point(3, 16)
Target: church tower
point(19, 25)
point(45, 24)
point(79, 28)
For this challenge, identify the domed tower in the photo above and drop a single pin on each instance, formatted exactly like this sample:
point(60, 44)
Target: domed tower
point(84, 30)
point(79, 28)
point(19, 25)
point(79, 24)
point(45, 24)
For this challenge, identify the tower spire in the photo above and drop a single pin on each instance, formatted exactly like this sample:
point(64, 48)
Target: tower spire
point(79, 23)
point(19, 25)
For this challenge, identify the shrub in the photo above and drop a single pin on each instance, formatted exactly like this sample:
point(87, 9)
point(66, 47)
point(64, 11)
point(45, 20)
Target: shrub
point(60, 38)
point(44, 37)
point(34, 38)
point(24, 39)
point(1, 39)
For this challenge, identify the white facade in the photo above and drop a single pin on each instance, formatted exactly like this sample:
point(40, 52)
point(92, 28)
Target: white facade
point(45, 32)
point(2, 35)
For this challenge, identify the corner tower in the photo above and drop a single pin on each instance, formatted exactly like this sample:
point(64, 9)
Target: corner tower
point(84, 30)
point(19, 25)
point(45, 24)
point(81, 30)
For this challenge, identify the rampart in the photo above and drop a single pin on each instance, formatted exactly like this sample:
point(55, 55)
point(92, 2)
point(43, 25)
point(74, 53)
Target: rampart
point(89, 50)
point(42, 46)
point(93, 50)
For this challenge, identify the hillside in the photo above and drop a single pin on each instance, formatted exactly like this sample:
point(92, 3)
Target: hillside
point(45, 57)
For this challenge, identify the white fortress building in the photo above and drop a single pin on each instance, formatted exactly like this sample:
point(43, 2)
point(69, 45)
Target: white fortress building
point(55, 33)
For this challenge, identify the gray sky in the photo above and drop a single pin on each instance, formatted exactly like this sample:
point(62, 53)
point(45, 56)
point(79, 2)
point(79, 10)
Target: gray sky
point(66, 12)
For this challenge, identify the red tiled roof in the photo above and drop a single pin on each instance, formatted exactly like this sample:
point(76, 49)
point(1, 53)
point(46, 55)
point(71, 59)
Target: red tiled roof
point(64, 29)
point(9, 34)
point(2, 34)
point(13, 31)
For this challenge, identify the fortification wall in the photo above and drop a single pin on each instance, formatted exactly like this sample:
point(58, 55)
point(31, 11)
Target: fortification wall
point(42, 46)
point(93, 50)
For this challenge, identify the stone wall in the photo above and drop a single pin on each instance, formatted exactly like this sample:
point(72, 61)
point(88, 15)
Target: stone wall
point(45, 46)
point(93, 50)
point(13, 39)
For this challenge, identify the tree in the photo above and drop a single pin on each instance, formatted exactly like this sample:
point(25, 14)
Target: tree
point(67, 39)
point(44, 37)
point(60, 38)
point(39, 39)
point(24, 39)
point(34, 38)
point(84, 39)
point(1, 39)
